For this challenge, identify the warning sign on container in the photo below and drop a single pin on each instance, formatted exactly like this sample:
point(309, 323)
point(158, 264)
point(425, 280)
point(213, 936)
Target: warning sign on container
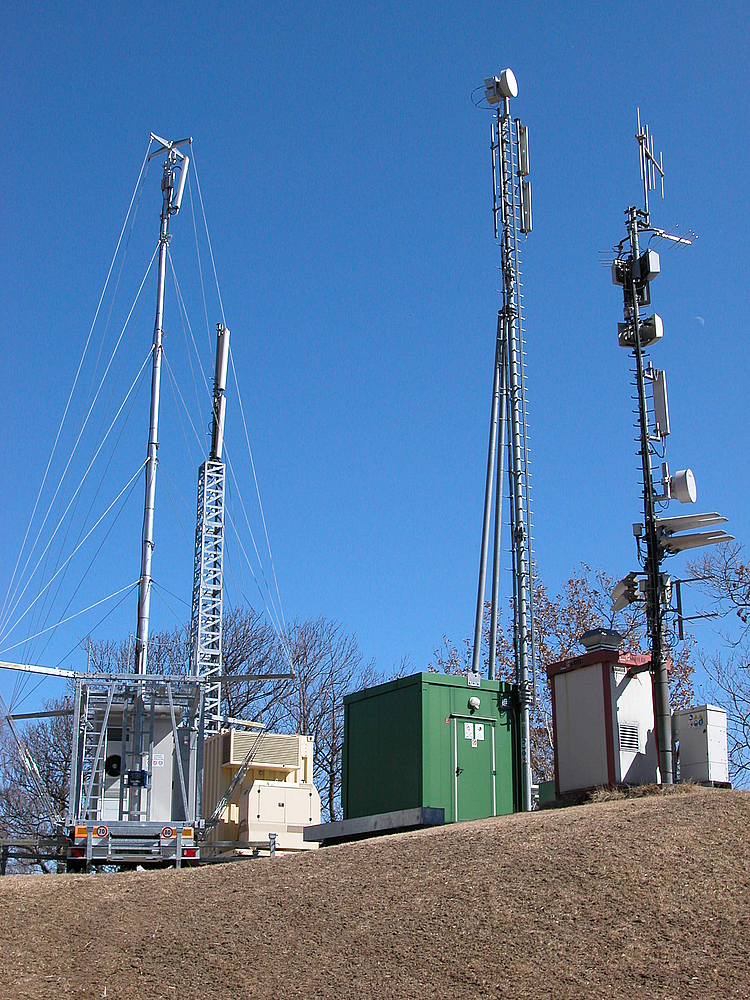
point(468, 730)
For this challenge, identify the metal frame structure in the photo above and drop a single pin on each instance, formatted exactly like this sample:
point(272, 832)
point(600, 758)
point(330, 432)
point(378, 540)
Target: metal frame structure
point(106, 702)
point(512, 217)
point(117, 715)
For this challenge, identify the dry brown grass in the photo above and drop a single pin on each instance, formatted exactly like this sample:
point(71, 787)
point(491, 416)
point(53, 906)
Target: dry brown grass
point(609, 794)
point(646, 897)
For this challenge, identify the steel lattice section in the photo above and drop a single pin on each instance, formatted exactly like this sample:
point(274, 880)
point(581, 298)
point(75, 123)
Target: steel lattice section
point(205, 626)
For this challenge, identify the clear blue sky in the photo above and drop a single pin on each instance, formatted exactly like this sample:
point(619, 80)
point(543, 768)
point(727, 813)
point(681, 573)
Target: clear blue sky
point(346, 177)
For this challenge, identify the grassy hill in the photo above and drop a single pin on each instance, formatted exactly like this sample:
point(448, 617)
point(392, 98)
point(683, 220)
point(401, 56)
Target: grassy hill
point(642, 898)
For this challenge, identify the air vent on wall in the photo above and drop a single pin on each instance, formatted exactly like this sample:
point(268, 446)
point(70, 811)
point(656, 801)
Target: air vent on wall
point(629, 738)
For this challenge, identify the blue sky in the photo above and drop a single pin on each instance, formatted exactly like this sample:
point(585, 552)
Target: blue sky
point(346, 180)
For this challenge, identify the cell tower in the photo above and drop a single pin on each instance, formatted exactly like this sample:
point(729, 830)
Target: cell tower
point(659, 536)
point(511, 193)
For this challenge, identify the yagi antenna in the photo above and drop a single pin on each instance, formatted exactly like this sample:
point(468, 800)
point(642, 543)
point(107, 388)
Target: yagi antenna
point(648, 162)
point(674, 238)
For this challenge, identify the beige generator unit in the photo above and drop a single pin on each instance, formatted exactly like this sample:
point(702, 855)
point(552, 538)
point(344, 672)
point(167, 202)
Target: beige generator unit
point(275, 796)
point(603, 720)
point(702, 735)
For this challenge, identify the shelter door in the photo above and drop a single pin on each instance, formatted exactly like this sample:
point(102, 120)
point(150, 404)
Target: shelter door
point(474, 769)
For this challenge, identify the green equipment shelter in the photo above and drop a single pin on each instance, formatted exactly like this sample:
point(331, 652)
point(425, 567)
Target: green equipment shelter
point(434, 741)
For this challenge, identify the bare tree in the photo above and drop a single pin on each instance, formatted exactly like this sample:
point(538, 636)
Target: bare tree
point(724, 578)
point(327, 664)
point(49, 743)
point(251, 646)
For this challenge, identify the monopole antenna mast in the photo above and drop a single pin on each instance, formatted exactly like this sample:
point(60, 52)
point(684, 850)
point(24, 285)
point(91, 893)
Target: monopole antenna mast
point(658, 536)
point(171, 199)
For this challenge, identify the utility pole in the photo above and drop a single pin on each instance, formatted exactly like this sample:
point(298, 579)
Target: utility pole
point(511, 192)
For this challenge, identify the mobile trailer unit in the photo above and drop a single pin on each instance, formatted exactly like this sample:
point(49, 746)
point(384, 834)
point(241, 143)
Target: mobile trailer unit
point(432, 741)
point(135, 784)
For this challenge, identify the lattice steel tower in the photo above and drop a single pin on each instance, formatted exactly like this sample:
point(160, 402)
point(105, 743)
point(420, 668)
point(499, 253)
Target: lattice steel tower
point(208, 580)
point(512, 214)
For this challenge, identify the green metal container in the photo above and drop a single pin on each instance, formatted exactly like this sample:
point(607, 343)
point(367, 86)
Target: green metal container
point(417, 741)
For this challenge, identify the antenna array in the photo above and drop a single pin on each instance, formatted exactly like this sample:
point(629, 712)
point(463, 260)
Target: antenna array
point(649, 164)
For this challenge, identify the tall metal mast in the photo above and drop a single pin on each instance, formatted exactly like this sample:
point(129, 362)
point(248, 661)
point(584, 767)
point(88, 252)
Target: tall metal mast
point(512, 203)
point(654, 603)
point(171, 200)
point(634, 271)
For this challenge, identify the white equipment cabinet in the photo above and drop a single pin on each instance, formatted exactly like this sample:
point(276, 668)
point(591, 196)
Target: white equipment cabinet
point(603, 720)
point(702, 735)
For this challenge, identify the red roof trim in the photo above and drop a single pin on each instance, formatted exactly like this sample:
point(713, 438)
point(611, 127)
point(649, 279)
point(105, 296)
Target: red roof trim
point(626, 660)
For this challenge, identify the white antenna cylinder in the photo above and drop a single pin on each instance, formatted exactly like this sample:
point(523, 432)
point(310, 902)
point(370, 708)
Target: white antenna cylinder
point(217, 439)
point(181, 186)
point(220, 384)
point(222, 358)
